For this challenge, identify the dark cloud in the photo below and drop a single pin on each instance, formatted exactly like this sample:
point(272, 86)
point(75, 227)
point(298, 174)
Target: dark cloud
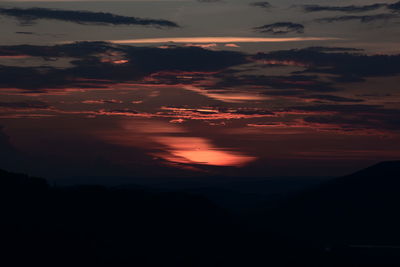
point(341, 123)
point(25, 105)
point(360, 108)
point(178, 77)
point(349, 9)
point(295, 84)
point(281, 28)
point(352, 8)
point(394, 7)
point(102, 101)
point(95, 67)
point(358, 117)
point(27, 33)
point(123, 111)
point(183, 59)
point(81, 49)
point(30, 15)
point(363, 19)
point(332, 98)
point(345, 66)
point(30, 77)
point(333, 49)
point(261, 4)
point(349, 117)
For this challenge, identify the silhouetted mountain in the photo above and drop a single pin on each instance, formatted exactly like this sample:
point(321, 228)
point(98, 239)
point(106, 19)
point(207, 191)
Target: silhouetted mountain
point(104, 226)
point(386, 170)
point(91, 225)
point(14, 181)
point(355, 211)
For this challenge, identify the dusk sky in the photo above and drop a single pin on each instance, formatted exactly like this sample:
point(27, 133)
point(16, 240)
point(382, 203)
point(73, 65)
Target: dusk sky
point(198, 88)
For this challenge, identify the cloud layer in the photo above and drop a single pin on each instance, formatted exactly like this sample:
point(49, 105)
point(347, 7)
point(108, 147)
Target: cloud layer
point(30, 15)
point(363, 19)
point(352, 8)
point(348, 9)
point(281, 28)
point(266, 5)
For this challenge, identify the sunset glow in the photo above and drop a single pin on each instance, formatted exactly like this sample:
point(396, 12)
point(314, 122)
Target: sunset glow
point(187, 85)
point(195, 150)
point(180, 133)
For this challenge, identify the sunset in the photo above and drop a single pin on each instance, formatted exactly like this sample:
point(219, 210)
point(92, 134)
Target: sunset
point(243, 114)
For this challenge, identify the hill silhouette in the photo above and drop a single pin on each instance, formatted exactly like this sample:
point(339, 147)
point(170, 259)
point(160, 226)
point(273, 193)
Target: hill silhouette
point(332, 224)
point(358, 211)
point(91, 225)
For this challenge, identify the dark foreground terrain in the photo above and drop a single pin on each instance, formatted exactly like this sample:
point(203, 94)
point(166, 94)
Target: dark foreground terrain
point(348, 221)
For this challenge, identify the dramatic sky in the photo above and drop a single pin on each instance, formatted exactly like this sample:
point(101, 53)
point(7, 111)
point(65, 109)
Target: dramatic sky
point(198, 88)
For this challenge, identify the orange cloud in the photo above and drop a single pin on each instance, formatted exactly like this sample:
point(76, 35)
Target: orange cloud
point(232, 45)
point(213, 114)
point(225, 96)
point(196, 150)
point(174, 144)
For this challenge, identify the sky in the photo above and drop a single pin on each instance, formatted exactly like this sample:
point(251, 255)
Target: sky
point(198, 88)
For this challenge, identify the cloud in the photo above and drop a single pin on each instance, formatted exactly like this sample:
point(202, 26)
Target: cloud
point(96, 64)
point(363, 19)
point(214, 113)
point(281, 85)
point(357, 117)
point(346, 118)
point(349, 9)
point(25, 33)
point(266, 5)
point(24, 105)
point(166, 142)
point(102, 101)
point(345, 66)
point(26, 109)
point(334, 49)
point(80, 49)
point(29, 15)
point(332, 98)
point(394, 7)
point(339, 108)
point(203, 45)
point(281, 28)
point(307, 91)
point(196, 150)
point(232, 45)
point(227, 95)
point(352, 8)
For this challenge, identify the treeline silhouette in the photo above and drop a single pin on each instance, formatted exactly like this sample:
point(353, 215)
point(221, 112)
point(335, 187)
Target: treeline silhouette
point(349, 221)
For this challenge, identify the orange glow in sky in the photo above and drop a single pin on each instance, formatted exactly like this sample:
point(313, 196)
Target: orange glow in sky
point(196, 150)
point(221, 95)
